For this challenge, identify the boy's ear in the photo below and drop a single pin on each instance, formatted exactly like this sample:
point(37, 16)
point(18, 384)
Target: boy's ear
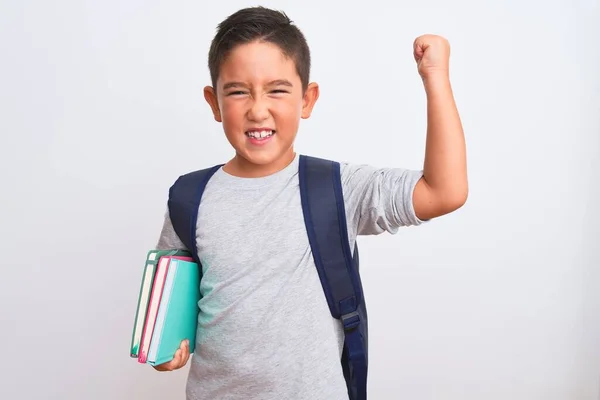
point(310, 98)
point(211, 98)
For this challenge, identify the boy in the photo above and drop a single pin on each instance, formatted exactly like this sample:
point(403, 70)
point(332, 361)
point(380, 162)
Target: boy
point(264, 327)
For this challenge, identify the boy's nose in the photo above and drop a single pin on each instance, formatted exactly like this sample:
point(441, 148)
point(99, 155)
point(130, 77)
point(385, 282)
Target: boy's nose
point(258, 111)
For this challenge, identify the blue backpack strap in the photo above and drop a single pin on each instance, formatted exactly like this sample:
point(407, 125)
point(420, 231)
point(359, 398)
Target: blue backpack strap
point(183, 204)
point(325, 219)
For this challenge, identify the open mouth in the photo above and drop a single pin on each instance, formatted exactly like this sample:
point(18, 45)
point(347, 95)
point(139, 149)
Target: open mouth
point(260, 135)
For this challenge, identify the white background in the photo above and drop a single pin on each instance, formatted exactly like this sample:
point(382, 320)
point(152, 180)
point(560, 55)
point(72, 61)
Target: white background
point(101, 108)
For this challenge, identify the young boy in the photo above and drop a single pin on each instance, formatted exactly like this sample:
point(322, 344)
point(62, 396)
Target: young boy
point(264, 327)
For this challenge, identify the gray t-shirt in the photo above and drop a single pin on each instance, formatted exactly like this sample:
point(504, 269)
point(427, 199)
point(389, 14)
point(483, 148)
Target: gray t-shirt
point(264, 329)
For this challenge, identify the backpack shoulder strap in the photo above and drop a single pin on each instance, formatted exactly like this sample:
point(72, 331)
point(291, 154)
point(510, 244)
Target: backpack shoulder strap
point(325, 219)
point(183, 204)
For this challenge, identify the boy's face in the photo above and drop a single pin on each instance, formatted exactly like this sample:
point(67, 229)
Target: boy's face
point(259, 99)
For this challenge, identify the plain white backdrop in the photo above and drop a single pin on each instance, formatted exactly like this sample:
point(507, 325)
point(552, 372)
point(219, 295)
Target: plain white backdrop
point(101, 108)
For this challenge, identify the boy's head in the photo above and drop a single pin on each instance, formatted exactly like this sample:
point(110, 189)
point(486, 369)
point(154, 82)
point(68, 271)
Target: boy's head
point(259, 65)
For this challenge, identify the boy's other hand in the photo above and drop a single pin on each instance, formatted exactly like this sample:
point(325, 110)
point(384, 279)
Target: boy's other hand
point(182, 355)
point(432, 54)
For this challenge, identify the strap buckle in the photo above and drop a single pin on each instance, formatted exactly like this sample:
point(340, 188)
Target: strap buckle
point(350, 320)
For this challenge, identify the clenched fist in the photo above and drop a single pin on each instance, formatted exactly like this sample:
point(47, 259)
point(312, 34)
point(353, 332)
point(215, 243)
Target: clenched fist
point(432, 54)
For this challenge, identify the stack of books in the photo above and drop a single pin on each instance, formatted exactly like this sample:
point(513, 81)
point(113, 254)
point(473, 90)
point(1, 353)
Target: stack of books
point(167, 309)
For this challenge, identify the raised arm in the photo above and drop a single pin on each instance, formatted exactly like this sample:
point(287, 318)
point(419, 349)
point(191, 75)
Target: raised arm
point(444, 186)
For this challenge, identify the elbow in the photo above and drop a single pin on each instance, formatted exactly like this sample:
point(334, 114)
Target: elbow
point(459, 198)
point(455, 199)
point(433, 203)
point(452, 198)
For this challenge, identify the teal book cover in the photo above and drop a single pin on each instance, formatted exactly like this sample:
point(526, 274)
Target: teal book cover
point(177, 317)
point(147, 281)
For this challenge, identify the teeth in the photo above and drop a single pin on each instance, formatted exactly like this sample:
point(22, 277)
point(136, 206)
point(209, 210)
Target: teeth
point(260, 135)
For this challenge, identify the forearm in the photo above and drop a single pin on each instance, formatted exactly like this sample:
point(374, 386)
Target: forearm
point(445, 166)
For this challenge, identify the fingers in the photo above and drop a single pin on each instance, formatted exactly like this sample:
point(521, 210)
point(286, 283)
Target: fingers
point(171, 365)
point(180, 359)
point(186, 352)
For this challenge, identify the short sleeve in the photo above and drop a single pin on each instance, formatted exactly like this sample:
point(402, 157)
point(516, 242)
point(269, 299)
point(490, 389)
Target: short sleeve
point(168, 238)
point(379, 200)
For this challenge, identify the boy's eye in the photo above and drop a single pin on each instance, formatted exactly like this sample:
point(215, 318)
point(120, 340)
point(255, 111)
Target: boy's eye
point(242, 93)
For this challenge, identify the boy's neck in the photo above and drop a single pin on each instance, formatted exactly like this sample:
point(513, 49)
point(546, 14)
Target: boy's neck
point(242, 168)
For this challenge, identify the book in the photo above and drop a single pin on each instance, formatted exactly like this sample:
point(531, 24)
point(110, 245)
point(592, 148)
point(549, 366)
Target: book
point(177, 316)
point(152, 258)
point(154, 276)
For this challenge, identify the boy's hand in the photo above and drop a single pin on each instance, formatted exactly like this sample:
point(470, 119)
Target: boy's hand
point(432, 54)
point(182, 355)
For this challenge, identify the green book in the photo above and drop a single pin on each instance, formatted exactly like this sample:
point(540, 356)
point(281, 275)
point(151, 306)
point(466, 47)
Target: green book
point(144, 294)
point(177, 317)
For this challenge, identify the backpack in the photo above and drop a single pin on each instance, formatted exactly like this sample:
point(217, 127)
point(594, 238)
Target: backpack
point(325, 221)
